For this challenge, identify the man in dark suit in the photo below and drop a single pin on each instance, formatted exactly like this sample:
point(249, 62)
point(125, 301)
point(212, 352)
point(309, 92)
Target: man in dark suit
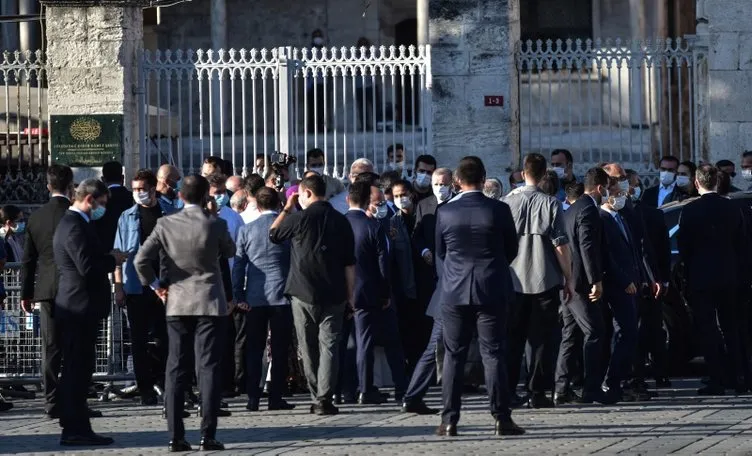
point(667, 190)
point(374, 316)
point(711, 229)
point(83, 299)
point(585, 232)
point(120, 200)
point(39, 277)
point(476, 240)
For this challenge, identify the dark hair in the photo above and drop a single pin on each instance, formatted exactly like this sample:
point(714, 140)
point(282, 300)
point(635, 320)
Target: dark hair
point(227, 168)
point(9, 213)
point(724, 183)
point(595, 177)
point(392, 148)
point(387, 179)
point(406, 184)
point(724, 162)
point(691, 165)
point(314, 153)
point(267, 199)
point(707, 176)
point(429, 160)
point(359, 193)
point(670, 158)
point(549, 183)
point(566, 153)
point(471, 171)
point(371, 178)
point(747, 154)
point(195, 189)
point(94, 187)
point(216, 180)
point(112, 172)
point(535, 166)
point(59, 178)
point(511, 176)
point(216, 162)
point(315, 184)
point(574, 190)
point(253, 183)
point(147, 176)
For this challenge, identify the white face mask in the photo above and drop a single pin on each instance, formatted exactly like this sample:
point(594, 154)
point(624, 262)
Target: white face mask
point(303, 200)
point(317, 169)
point(397, 166)
point(318, 41)
point(682, 181)
point(747, 174)
point(422, 180)
point(559, 171)
point(442, 192)
point(619, 202)
point(667, 178)
point(142, 198)
point(381, 211)
point(624, 186)
point(637, 193)
point(403, 203)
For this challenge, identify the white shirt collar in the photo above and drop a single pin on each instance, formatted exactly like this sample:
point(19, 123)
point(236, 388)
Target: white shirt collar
point(357, 209)
point(613, 213)
point(460, 195)
point(82, 213)
point(114, 185)
point(670, 187)
point(268, 212)
point(60, 195)
point(187, 205)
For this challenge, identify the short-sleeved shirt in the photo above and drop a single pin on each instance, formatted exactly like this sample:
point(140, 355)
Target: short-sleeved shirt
point(322, 247)
point(540, 229)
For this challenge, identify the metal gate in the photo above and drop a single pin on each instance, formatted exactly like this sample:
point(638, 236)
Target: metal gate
point(626, 101)
point(244, 105)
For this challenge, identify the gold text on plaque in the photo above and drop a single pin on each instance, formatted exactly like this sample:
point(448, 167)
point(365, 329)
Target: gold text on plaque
point(85, 129)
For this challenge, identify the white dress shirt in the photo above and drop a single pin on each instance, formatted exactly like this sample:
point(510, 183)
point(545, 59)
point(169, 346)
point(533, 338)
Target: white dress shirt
point(663, 192)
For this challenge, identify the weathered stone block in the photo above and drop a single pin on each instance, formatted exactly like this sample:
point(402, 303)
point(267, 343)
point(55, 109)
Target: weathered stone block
point(729, 103)
point(724, 51)
point(448, 100)
point(724, 141)
point(442, 32)
point(745, 51)
point(729, 15)
point(448, 61)
point(498, 10)
point(489, 62)
point(488, 36)
point(452, 10)
point(745, 139)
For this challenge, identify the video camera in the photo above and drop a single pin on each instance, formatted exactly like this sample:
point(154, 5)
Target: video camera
point(279, 162)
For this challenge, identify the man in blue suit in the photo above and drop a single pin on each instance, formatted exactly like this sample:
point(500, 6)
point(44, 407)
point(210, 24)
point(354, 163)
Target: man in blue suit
point(476, 240)
point(374, 314)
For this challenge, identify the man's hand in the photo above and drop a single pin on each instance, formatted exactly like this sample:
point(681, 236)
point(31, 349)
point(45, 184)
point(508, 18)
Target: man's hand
point(119, 294)
point(243, 306)
point(657, 289)
point(596, 291)
point(631, 289)
point(119, 256)
point(162, 294)
point(567, 293)
point(230, 306)
point(291, 202)
point(27, 305)
point(428, 258)
point(386, 303)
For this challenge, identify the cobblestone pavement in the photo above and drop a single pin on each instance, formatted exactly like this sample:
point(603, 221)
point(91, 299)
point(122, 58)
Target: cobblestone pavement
point(676, 422)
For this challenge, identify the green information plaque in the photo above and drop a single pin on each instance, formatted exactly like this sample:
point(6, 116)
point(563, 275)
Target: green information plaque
point(86, 140)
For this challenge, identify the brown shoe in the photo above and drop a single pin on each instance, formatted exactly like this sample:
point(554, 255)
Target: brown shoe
point(447, 430)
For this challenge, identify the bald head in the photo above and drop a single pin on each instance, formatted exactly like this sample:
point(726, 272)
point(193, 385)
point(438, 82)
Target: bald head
point(234, 183)
point(614, 170)
point(167, 180)
point(239, 200)
point(360, 166)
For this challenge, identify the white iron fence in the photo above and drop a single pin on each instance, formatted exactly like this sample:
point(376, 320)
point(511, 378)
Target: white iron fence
point(609, 101)
point(245, 105)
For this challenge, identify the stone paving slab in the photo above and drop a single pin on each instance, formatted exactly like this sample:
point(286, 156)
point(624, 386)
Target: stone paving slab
point(675, 423)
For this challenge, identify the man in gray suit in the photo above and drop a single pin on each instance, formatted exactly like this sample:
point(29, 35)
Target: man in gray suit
point(192, 242)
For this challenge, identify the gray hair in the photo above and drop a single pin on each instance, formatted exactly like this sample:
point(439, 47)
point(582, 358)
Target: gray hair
point(492, 188)
point(443, 172)
point(239, 200)
point(94, 187)
point(361, 163)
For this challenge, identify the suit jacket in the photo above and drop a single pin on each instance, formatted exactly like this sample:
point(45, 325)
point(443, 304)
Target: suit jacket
point(476, 240)
point(193, 243)
point(120, 200)
point(585, 232)
point(402, 254)
point(648, 262)
point(620, 255)
point(656, 233)
point(84, 288)
point(39, 275)
point(650, 196)
point(424, 236)
point(709, 238)
point(371, 261)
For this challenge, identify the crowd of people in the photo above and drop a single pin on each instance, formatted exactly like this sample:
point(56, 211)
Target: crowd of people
point(240, 286)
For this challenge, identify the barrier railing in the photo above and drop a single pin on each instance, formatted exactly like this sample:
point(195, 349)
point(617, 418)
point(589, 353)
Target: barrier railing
point(21, 339)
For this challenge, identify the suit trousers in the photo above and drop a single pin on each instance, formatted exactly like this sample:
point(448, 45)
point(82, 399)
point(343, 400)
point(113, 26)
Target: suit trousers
point(651, 339)
point(78, 338)
point(720, 346)
point(318, 330)
point(624, 339)
point(414, 329)
point(52, 353)
point(347, 381)
point(240, 319)
point(201, 339)
point(146, 314)
point(279, 320)
point(424, 374)
point(580, 313)
point(459, 322)
point(533, 318)
point(743, 329)
point(372, 325)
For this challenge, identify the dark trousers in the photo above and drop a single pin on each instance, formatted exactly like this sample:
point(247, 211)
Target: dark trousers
point(624, 339)
point(52, 353)
point(459, 323)
point(146, 315)
point(712, 308)
point(414, 329)
point(533, 318)
point(227, 361)
point(580, 313)
point(279, 320)
point(239, 319)
point(78, 338)
point(379, 325)
point(202, 337)
point(347, 382)
point(424, 374)
point(651, 339)
point(743, 329)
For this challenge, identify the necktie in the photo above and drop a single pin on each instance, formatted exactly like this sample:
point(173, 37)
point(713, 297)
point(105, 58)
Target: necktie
point(623, 229)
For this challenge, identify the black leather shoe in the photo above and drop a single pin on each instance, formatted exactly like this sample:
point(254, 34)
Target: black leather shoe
point(324, 408)
point(507, 427)
point(662, 382)
point(517, 401)
point(220, 412)
point(372, 398)
point(210, 445)
point(281, 405)
point(178, 445)
point(91, 439)
point(252, 405)
point(95, 413)
point(5, 406)
point(711, 391)
point(566, 397)
point(540, 400)
point(419, 408)
point(164, 413)
point(449, 430)
point(149, 400)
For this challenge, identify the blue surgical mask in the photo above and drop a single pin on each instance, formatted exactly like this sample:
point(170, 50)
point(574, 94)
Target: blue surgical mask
point(20, 228)
point(178, 203)
point(221, 199)
point(98, 213)
point(179, 184)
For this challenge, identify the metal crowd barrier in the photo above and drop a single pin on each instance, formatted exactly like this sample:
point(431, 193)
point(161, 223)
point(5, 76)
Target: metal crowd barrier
point(21, 339)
